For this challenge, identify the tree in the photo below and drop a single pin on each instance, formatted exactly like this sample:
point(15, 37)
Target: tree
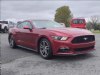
point(94, 21)
point(88, 25)
point(98, 26)
point(63, 15)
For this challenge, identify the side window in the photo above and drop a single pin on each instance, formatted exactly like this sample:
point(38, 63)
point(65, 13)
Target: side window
point(81, 21)
point(24, 24)
point(27, 24)
point(20, 25)
point(75, 21)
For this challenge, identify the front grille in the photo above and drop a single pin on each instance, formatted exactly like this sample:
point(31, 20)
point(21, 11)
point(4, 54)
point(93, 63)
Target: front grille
point(84, 49)
point(84, 39)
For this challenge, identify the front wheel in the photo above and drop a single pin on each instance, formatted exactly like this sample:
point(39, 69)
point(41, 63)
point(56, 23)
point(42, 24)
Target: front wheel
point(45, 49)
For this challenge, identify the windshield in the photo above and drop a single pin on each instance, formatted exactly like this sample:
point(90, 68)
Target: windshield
point(78, 21)
point(46, 24)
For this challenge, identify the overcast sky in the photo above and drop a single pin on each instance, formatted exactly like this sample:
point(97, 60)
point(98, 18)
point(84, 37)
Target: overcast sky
point(46, 9)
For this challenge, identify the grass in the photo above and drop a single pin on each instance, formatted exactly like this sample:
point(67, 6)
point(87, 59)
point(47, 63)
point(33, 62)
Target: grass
point(96, 31)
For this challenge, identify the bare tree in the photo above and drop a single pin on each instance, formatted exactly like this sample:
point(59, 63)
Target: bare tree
point(94, 20)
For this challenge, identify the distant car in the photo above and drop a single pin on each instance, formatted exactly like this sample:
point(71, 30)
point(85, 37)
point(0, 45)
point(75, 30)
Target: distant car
point(50, 38)
point(63, 24)
point(4, 26)
point(78, 23)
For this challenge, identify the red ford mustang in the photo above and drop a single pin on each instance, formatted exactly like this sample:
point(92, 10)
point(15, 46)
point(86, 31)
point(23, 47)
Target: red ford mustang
point(50, 38)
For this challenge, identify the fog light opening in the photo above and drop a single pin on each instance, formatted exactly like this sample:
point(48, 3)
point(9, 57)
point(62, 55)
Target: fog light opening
point(64, 49)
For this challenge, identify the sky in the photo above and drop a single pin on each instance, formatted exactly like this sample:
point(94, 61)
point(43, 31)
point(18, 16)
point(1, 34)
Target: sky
point(43, 9)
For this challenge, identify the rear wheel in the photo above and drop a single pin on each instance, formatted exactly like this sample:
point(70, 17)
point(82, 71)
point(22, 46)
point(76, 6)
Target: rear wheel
point(45, 48)
point(12, 42)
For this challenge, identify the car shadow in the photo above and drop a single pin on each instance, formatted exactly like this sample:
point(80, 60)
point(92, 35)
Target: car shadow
point(75, 57)
point(27, 50)
point(61, 58)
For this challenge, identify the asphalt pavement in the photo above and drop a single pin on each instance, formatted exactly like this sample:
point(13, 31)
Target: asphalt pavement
point(24, 62)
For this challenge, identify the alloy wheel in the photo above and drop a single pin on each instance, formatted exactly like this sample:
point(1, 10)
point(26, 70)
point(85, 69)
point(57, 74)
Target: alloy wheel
point(44, 48)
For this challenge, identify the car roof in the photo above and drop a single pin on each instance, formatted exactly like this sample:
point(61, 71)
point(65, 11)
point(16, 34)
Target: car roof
point(38, 20)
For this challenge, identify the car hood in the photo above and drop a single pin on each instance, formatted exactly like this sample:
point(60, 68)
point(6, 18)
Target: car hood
point(70, 31)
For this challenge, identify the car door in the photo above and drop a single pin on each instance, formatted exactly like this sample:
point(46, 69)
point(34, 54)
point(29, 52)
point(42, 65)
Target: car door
point(27, 35)
point(19, 34)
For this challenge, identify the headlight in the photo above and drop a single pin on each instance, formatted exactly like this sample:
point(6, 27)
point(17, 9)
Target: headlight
point(63, 38)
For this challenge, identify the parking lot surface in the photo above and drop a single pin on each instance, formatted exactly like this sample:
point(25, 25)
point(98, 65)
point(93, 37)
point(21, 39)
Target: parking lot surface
point(24, 62)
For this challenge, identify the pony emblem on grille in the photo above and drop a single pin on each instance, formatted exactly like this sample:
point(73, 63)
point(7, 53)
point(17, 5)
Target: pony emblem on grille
point(85, 38)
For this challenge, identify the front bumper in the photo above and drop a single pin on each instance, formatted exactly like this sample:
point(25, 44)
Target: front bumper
point(74, 49)
point(76, 53)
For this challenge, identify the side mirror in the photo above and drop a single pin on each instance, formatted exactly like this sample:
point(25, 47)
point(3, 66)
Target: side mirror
point(26, 27)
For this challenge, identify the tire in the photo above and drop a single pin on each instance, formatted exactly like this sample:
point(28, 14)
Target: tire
point(45, 49)
point(12, 42)
point(5, 30)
